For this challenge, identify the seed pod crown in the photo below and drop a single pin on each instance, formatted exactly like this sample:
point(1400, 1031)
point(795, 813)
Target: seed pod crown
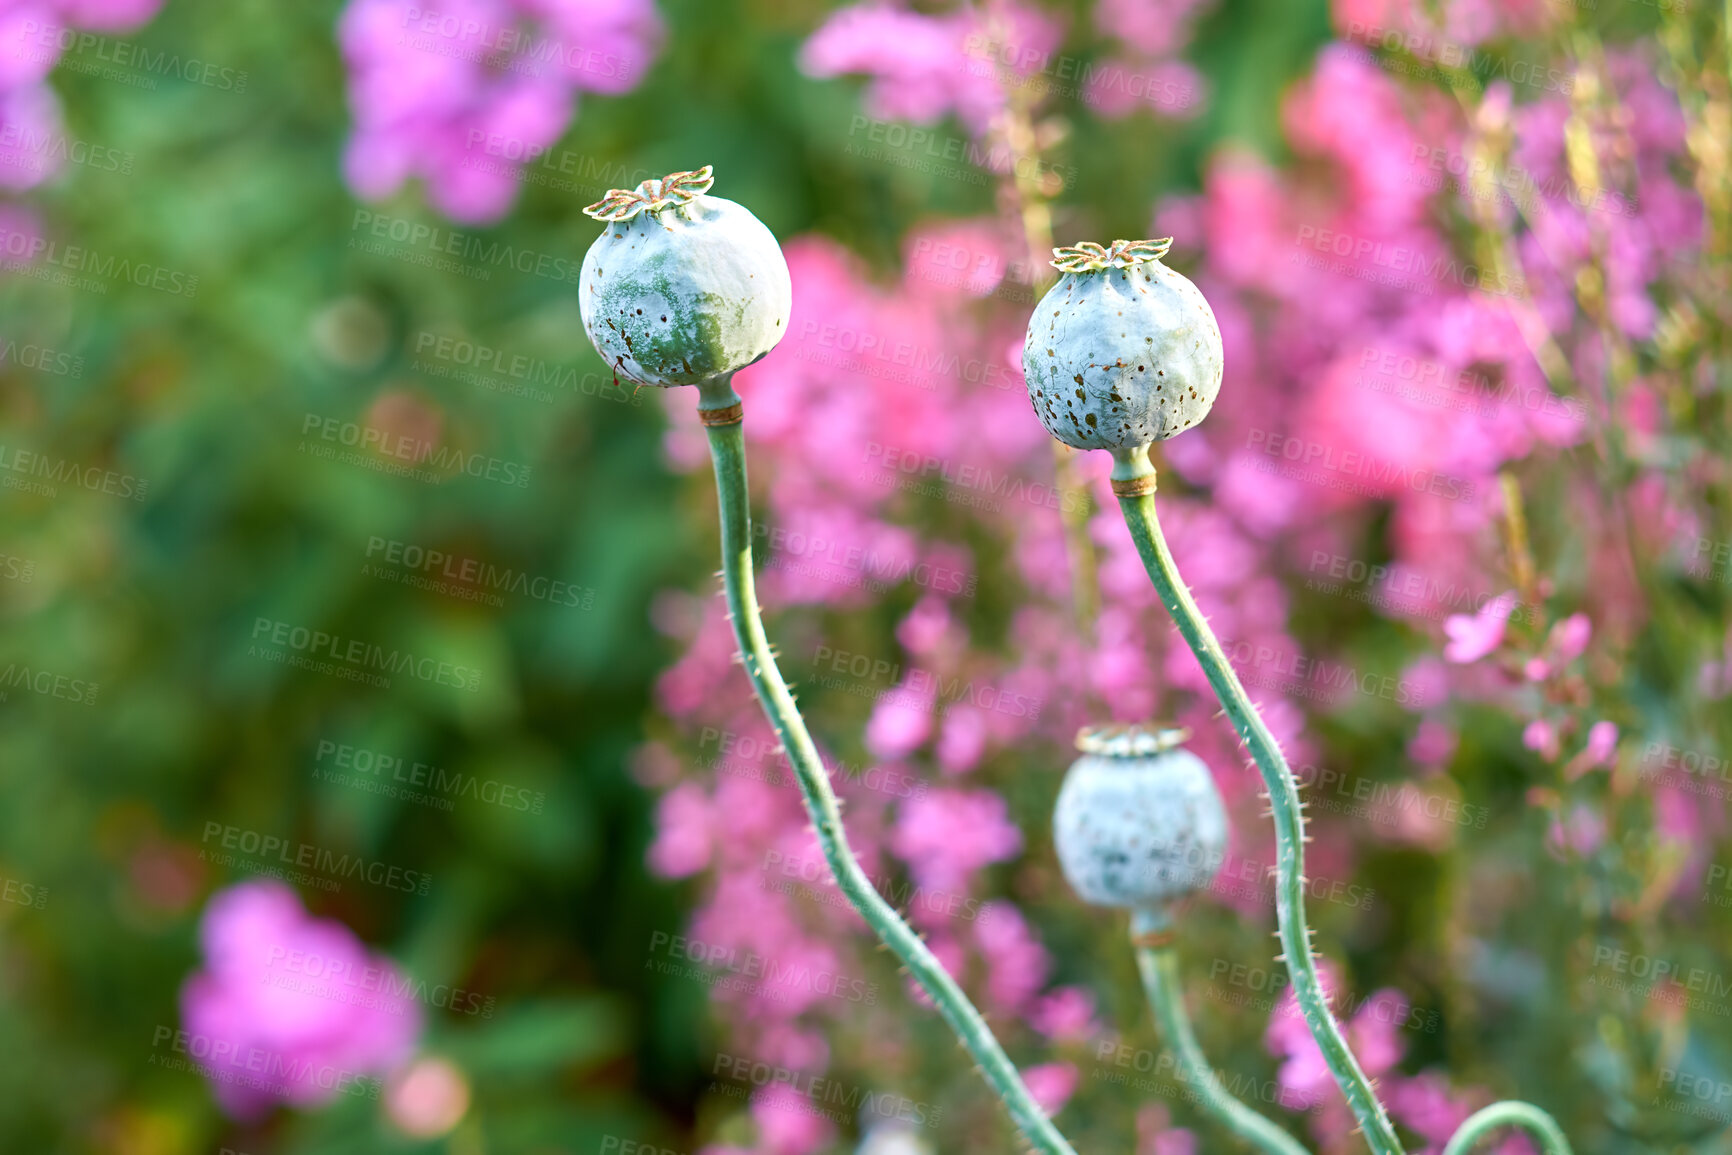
point(682, 288)
point(1121, 351)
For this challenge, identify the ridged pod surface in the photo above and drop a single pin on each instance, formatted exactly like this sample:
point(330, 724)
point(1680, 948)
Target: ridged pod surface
point(1139, 822)
point(1121, 351)
point(682, 288)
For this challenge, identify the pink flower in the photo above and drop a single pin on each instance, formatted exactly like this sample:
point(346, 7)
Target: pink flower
point(947, 835)
point(1541, 737)
point(1067, 1014)
point(1569, 638)
point(30, 136)
point(902, 720)
point(464, 96)
point(1017, 964)
point(1472, 638)
point(1156, 1134)
point(1602, 744)
point(925, 67)
point(262, 1003)
point(1052, 1085)
point(788, 1124)
point(683, 843)
point(428, 1099)
point(1425, 1105)
point(920, 65)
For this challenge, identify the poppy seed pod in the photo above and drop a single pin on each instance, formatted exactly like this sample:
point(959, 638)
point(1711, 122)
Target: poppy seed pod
point(1139, 822)
point(682, 288)
point(1122, 351)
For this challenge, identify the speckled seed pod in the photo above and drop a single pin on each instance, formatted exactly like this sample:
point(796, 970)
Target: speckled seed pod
point(1139, 822)
point(682, 288)
point(1122, 351)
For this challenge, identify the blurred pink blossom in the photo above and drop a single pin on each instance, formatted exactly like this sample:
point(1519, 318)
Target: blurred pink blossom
point(945, 836)
point(463, 97)
point(1541, 737)
point(1473, 637)
point(1051, 1084)
point(926, 67)
point(259, 1020)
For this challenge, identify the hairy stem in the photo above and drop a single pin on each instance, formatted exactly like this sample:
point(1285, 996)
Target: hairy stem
point(1131, 467)
point(1159, 964)
point(728, 449)
point(1509, 1113)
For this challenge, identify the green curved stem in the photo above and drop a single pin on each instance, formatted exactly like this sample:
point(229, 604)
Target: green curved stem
point(728, 449)
point(1510, 1113)
point(1283, 805)
point(1160, 970)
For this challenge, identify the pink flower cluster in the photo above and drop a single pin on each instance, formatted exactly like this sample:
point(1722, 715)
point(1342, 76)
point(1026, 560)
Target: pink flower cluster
point(290, 1008)
point(1380, 373)
point(464, 95)
point(33, 35)
point(924, 67)
point(1147, 71)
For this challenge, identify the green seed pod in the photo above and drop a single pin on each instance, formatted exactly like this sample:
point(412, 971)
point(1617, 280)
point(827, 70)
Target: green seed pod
point(1122, 351)
point(682, 288)
point(1139, 822)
